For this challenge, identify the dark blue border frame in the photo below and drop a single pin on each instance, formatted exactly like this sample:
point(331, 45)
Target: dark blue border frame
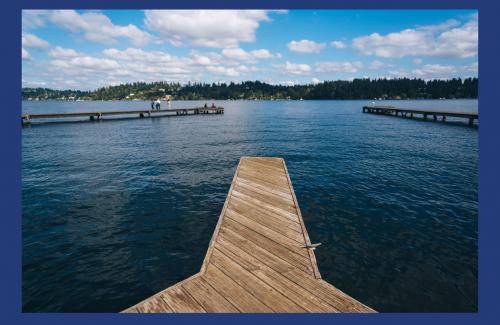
point(489, 164)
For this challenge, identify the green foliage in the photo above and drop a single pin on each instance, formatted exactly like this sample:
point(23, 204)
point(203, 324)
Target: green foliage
point(403, 88)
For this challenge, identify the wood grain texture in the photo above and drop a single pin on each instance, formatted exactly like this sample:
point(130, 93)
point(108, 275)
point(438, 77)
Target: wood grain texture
point(256, 261)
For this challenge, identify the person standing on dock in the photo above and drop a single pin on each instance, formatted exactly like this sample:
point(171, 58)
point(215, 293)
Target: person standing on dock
point(152, 104)
point(158, 103)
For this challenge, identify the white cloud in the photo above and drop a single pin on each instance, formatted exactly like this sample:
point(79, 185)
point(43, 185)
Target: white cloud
point(305, 46)
point(459, 42)
point(220, 70)
point(271, 81)
point(69, 68)
point(316, 81)
point(444, 40)
point(60, 52)
point(336, 66)
point(473, 67)
point(33, 41)
point(205, 59)
point(265, 54)
point(244, 69)
point(33, 19)
point(33, 83)
point(338, 44)
point(207, 28)
point(25, 55)
point(97, 27)
point(86, 62)
point(238, 54)
point(437, 71)
point(138, 55)
point(377, 65)
point(290, 83)
point(295, 68)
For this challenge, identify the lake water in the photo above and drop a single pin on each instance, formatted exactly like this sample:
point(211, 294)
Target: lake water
point(115, 211)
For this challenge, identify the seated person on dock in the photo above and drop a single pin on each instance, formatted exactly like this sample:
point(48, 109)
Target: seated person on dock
point(157, 103)
point(213, 105)
point(205, 105)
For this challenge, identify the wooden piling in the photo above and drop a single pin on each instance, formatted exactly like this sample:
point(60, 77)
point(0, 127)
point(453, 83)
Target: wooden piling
point(26, 118)
point(470, 116)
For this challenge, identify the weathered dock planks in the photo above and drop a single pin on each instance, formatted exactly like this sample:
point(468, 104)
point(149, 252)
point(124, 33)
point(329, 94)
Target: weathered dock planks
point(405, 112)
point(27, 118)
point(258, 260)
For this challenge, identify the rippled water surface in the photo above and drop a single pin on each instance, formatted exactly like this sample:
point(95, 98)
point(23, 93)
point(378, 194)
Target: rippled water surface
point(115, 211)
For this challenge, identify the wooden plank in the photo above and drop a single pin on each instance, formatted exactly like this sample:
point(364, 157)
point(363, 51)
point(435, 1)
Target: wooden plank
point(275, 262)
point(280, 226)
point(259, 177)
point(253, 173)
point(276, 202)
point(328, 293)
point(158, 296)
point(312, 257)
point(121, 112)
point(288, 201)
point(259, 289)
point(265, 191)
point(264, 167)
point(393, 111)
point(268, 169)
point(262, 237)
point(181, 301)
point(133, 309)
point(266, 187)
point(288, 288)
point(291, 223)
point(156, 305)
point(424, 111)
point(284, 213)
point(263, 170)
point(271, 246)
point(233, 292)
point(273, 161)
point(291, 244)
point(256, 261)
point(219, 222)
point(208, 297)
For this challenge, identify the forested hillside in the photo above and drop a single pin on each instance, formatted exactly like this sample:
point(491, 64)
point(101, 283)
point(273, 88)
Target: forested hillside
point(403, 88)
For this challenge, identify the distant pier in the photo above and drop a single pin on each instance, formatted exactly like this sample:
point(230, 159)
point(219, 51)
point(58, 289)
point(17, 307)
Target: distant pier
point(424, 114)
point(260, 258)
point(27, 118)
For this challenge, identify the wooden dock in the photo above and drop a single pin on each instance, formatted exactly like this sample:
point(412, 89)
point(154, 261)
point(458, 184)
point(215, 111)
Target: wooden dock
point(27, 118)
point(406, 112)
point(260, 258)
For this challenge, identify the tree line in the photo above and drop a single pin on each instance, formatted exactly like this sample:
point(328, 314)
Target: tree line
point(402, 88)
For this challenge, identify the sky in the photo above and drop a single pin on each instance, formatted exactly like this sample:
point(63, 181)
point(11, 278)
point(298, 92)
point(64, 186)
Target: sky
point(88, 49)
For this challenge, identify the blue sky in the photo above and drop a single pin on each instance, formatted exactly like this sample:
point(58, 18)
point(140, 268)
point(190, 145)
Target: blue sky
point(89, 49)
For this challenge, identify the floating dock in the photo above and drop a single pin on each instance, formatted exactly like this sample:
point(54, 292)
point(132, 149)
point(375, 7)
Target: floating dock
point(260, 258)
point(407, 112)
point(27, 118)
